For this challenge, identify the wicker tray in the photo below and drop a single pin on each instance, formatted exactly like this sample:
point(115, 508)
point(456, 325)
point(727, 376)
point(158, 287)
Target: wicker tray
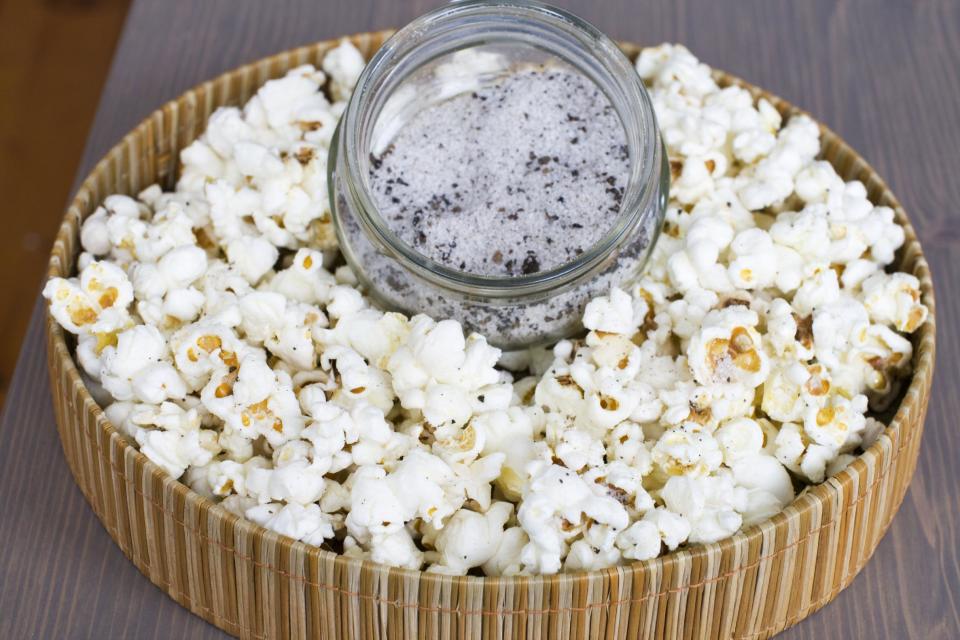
point(257, 584)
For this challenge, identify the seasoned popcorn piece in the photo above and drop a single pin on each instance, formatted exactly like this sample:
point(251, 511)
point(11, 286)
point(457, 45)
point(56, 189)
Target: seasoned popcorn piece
point(176, 270)
point(623, 483)
point(510, 432)
point(458, 445)
point(838, 423)
point(396, 549)
point(738, 439)
point(202, 348)
point(229, 477)
point(769, 487)
point(611, 314)
point(470, 539)
point(305, 280)
point(894, 300)
point(343, 65)
point(116, 230)
point(553, 510)
point(755, 264)
point(582, 556)
point(506, 561)
point(838, 328)
point(789, 334)
point(170, 436)
point(577, 449)
point(421, 486)
point(254, 400)
point(284, 327)
point(175, 452)
point(640, 541)
point(797, 452)
point(295, 482)
point(138, 367)
point(438, 370)
point(96, 303)
point(307, 523)
point(360, 382)
point(727, 349)
point(687, 451)
point(711, 504)
point(252, 256)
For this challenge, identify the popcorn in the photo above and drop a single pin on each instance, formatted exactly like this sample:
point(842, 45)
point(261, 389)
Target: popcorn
point(744, 358)
point(739, 438)
point(583, 557)
point(202, 348)
point(626, 443)
point(883, 234)
point(711, 504)
point(727, 349)
point(437, 365)
point(894, 300)
point(95, 234)
point(343, 65)
point(252, 256)
point(755, 264)
point(769, 488)
point(176, 443)
point(305, 280)
point(836, 424)
point(96, 303)
point(506, 561)
point(820, 288)
point(687, 451)
point(137, 367)
point(470, 539)
point(641, 541)
point(672, 528)
point(307, 523)
point(553, 507)
point(255, 401)
point(510, 432)
point(296, 482)
point(175, 452)
point(359, 381)
point(285, 328)
point(613, 314)
point(396, 549)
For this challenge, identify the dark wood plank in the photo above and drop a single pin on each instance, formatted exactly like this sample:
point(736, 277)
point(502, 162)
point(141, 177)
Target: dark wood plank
point(51, 71)
point(883, 75)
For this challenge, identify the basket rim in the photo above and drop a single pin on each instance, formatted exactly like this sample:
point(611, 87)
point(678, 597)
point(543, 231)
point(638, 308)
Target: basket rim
point(814, 496)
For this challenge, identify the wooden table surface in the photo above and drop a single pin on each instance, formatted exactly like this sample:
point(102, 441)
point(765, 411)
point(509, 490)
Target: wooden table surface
point(881, 74)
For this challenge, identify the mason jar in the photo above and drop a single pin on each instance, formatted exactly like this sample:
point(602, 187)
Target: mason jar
point(411, 72)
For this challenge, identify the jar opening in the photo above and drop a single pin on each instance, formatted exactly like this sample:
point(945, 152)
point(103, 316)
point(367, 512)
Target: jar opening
point(467, 46)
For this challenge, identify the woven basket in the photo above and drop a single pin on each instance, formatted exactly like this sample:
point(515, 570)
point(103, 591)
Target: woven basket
point(257, 584)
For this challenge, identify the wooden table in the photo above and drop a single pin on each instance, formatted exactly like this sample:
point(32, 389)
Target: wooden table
point(882, 74)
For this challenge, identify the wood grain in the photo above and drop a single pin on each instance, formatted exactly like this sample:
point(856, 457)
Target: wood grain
point(54, 57)
point(882, 76)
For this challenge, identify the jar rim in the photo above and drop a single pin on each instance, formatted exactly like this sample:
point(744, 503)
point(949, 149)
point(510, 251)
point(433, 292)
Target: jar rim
point(646, 174)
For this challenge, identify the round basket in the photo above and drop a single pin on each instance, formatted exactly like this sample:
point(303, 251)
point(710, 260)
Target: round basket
point(257, 584)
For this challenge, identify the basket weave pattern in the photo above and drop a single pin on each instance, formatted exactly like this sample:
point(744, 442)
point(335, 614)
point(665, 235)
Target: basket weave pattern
point(257, 584)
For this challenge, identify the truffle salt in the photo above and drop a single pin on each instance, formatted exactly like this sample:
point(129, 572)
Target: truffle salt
point(516, 177)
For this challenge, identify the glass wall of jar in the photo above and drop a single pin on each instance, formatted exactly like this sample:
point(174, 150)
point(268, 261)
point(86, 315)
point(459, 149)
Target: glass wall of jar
point(422, 65)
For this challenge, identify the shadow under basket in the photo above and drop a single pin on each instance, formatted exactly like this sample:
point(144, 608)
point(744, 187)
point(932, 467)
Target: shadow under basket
point(257, 584)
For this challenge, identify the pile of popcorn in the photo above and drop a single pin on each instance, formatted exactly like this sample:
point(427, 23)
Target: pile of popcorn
point(215, 327)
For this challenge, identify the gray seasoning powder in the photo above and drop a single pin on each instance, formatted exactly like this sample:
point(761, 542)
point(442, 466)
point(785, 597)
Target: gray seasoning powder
point(517, 177)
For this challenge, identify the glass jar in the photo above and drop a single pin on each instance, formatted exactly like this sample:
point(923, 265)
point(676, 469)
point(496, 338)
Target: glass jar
point(401, 79)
